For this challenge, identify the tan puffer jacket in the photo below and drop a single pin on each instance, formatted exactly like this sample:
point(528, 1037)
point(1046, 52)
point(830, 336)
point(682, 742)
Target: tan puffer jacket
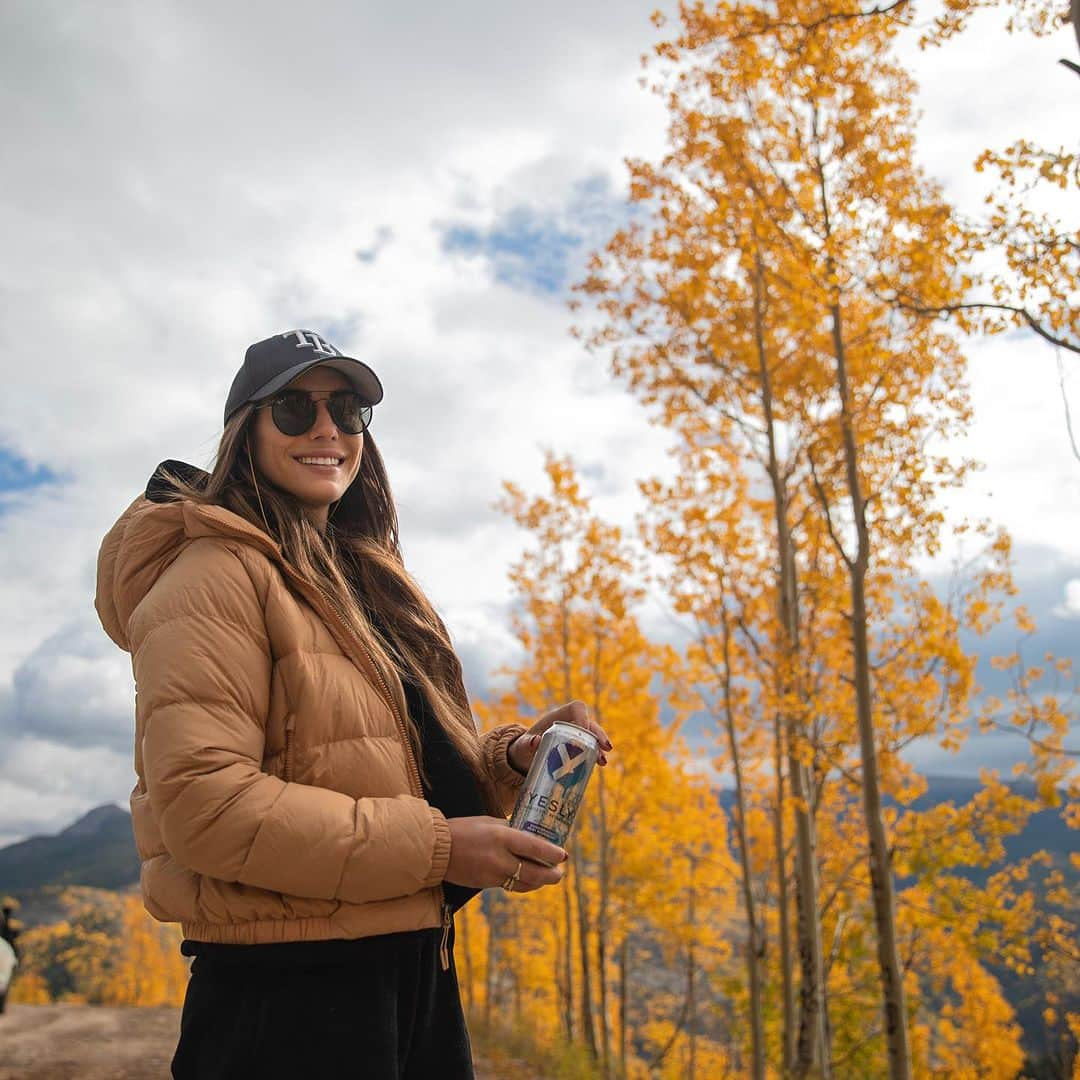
point(277, 796)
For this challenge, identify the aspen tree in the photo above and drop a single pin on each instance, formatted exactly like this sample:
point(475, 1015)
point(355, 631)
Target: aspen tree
point(712, 553)
point(581, 639)
point(792, 185)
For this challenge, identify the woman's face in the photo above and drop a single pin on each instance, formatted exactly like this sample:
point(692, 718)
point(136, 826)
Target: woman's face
point(286, 459)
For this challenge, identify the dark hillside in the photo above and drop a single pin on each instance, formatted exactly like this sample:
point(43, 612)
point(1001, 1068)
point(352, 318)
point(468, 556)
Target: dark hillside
point(97, 850)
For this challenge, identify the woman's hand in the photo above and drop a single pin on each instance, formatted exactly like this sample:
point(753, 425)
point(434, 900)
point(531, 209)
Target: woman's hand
point(485, 851)
point(523, 749)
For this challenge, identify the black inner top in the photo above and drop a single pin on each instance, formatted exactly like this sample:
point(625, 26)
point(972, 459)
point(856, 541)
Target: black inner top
point(449, 785)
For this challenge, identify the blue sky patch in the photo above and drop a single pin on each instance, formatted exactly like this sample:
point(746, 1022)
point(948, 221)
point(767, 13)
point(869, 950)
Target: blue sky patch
point(16, 474)
point(543, 249)
point(383, 235)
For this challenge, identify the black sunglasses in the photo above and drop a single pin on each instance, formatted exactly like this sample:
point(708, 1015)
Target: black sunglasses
point(294, 411)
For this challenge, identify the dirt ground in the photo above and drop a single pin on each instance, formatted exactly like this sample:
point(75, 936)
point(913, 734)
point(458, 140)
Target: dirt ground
point(58, 1042)
point(65, 1042)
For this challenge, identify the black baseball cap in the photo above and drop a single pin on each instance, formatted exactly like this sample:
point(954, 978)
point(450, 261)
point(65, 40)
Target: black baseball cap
point(271, 363)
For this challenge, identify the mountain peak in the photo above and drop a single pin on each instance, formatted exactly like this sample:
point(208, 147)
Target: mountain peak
point(96, 820)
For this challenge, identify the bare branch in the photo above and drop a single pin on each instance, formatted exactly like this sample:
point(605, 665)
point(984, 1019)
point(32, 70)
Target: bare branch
point(823, 499)
point(832, 17)
point(1065, 401)
point(986, 305)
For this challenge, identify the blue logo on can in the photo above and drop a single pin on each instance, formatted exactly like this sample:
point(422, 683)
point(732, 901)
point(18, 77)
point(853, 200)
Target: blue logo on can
point(564, 761)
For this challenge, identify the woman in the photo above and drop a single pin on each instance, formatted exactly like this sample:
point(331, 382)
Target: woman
point(313, 801)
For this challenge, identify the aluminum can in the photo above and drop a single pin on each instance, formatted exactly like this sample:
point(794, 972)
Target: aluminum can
point(555, 785)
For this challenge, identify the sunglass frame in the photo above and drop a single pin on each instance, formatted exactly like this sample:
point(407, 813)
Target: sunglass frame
point(332, 400)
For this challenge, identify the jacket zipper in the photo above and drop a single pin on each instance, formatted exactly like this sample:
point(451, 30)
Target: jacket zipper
point(290, 731)
point(444, 947)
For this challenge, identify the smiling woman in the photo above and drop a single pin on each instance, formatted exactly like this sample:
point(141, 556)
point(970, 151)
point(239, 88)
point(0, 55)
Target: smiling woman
point(317, 464)
point(313, 800)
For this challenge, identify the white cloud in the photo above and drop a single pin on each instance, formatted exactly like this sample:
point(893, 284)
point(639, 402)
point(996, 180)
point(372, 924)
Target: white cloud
point(46, 785)
point(1070, 607)
point(76, 687)
point(1029, 480)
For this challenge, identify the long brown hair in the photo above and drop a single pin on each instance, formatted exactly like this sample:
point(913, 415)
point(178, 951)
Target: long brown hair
point(358, 561)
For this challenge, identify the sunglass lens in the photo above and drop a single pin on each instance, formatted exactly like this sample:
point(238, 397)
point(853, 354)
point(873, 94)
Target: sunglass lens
point(350, 412)
point(293, 413)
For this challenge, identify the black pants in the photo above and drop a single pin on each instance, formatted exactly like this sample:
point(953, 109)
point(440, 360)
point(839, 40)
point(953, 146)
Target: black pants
point(376, 1009)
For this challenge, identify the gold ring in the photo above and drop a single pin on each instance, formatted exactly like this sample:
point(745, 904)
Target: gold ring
point(512, 880)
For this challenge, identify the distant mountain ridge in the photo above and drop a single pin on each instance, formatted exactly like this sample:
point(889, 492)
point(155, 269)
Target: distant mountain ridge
point(97, 850)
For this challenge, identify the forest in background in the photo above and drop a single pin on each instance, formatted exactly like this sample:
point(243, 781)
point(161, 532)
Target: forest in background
point(791, 301)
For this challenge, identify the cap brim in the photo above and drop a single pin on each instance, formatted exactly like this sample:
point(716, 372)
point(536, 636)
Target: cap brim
point(363, 379)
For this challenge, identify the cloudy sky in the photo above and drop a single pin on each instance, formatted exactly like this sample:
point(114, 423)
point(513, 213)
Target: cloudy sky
point(420, 183)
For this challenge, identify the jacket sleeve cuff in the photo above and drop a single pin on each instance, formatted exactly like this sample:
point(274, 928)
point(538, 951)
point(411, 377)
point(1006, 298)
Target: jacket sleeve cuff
point(504, 776)
point(440, 858)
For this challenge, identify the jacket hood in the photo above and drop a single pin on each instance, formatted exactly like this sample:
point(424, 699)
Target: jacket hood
point(149, 535)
